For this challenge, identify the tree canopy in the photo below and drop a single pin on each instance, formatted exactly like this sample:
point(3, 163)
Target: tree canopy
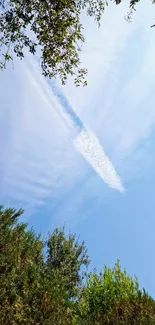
point(51, 28)
point(41, 283)
point(35, 289)
point(114, 298)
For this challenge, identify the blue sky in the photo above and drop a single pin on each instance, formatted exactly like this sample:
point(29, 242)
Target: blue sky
point(45, 166)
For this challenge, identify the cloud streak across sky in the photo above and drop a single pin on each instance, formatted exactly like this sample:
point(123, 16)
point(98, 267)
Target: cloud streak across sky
point(90, 148)
point(86, 142)
point(47, 127)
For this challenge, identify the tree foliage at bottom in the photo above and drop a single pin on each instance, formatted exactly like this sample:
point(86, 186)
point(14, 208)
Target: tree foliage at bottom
point(39, 288)
point(114, 298)
point(34, 289)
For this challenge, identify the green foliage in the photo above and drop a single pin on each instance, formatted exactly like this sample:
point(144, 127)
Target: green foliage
point(35, 290)
point(39, 290)
point(114, 298)
point(20, 263)
point(64, 259)
point(52, 28)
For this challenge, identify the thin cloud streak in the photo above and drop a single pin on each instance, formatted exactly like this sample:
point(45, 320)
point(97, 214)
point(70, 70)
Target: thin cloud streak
point(86, 142)
point(88, 145)
point(90, 148)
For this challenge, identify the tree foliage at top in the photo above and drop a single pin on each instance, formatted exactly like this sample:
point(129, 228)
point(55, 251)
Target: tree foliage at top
point(52, 28)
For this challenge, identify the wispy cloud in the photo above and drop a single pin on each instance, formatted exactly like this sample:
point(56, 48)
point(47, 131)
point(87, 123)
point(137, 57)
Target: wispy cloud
point(118, 102)
point(86, 142)
point(53, 127)
point(40, 160)
point(90, 148)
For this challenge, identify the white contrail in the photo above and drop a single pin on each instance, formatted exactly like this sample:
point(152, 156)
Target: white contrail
point(90, 148)
point(86, 142)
